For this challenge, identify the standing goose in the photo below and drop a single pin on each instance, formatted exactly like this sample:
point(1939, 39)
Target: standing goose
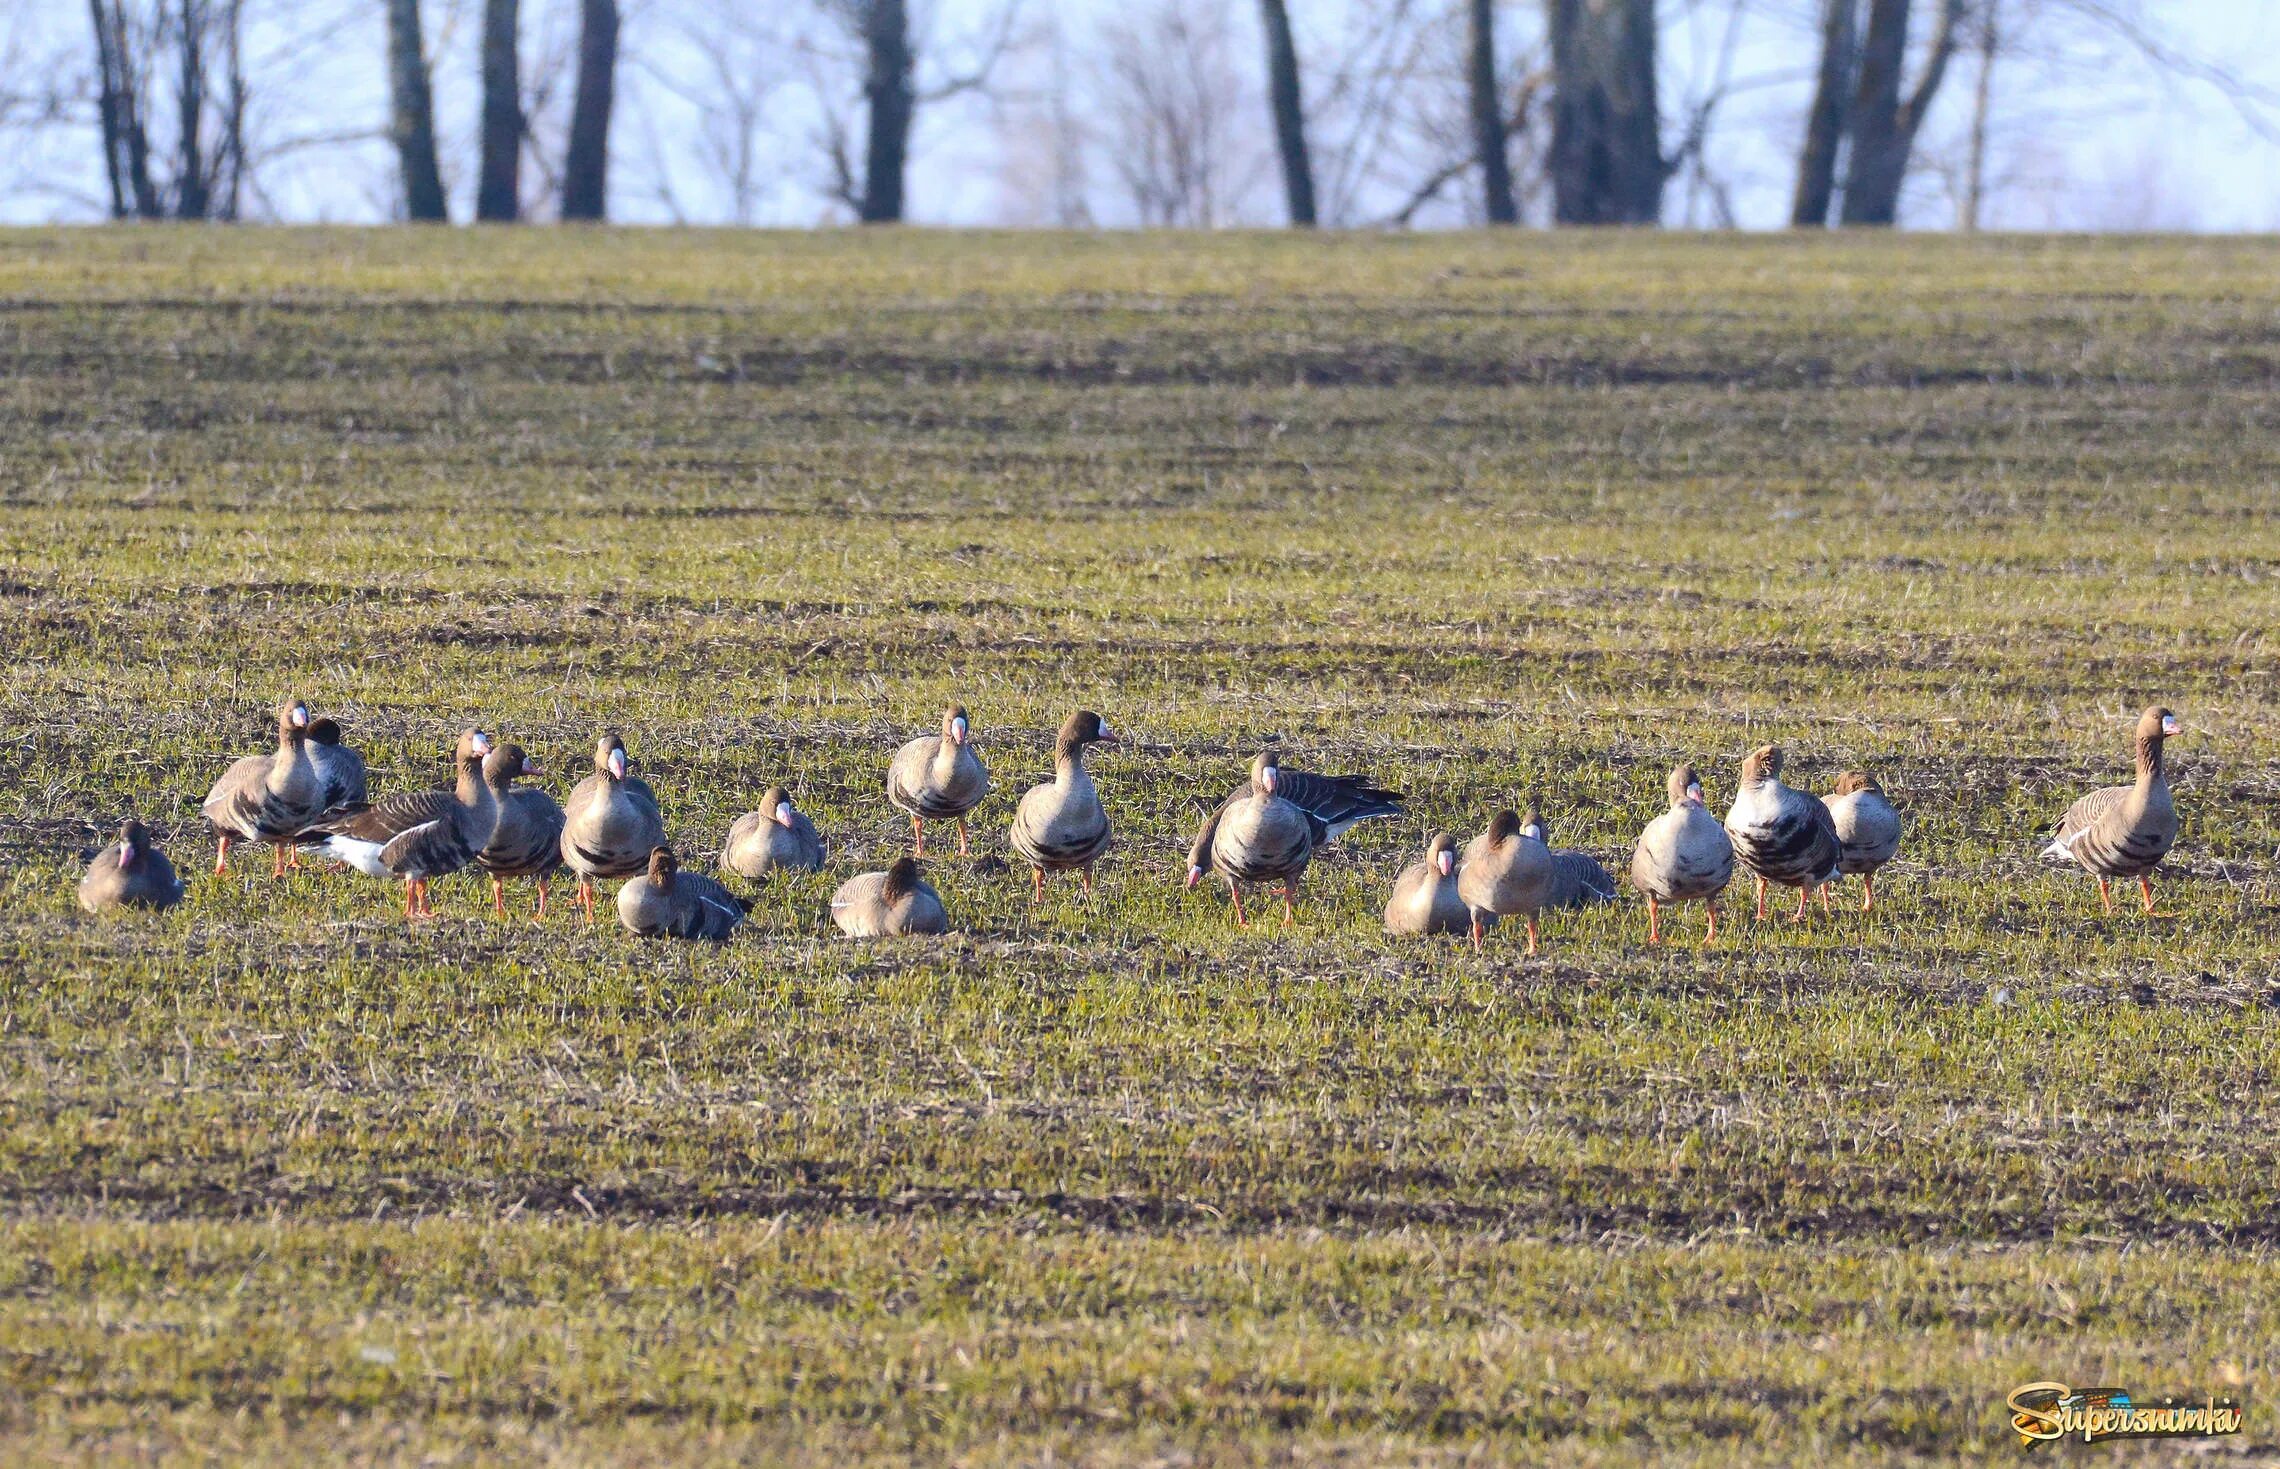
point(130, 874)
point(1260, 835)
point(938, 777)
point(611, 823)
point(1334, 803)
point(1781, 835)
point(1578, 879)
point(885, 904)
point(339, 767)
point(666, 902)
point(269, 798)
point(419, 836)
point(1425, 897)
point(1059, 825)
point(776, 836)
point(1684, 856)
point(2125, 831)
point(1868, 830)
point(1506, 872)
point(528, 839)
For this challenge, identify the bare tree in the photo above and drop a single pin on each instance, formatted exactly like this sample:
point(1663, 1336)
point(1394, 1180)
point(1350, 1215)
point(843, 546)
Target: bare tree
point(1607, 163)
point(1289, 112)
point(585, 167)
point(902, 75)
point(1825, 119)
point(412, 112)
point(1170, 105)
point(498, 189)
point(1489, 132)
point(188, 53)
point(1884, 122)
point(888, 87)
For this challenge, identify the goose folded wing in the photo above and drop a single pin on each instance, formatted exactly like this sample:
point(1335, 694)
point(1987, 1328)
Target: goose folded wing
point(382, 822)
point(1336, 802)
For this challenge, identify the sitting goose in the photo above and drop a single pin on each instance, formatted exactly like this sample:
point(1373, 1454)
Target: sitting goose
point(1868, 830)
point(886, 904)
point(1425, 898)
point(339, 767)
point(1683, 856)
point(666, 902)
point(1334, 803)
point(1059, 825)
point(528, 839)
point(1506, 871)
point(130, 874)
point(611, 823)
point(1578, 879)
point(2125, 831)
point(269, 798)
point(419, 836)
point(777, 836)
point(1781, 835)
point(938, 777)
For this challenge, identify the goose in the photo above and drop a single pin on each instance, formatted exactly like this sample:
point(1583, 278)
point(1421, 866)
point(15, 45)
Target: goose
point(1781, 835)
point(938, 777)
point(2125, 831)
point(268, 798)
point(1508, 872)
point(1578, 879)
point(419, 836)
point(1868, 830)
point(338, 766)
point(1425, 898)
point(666, 902)
point(1333, 804)
point(883, 904)
point(1684, 856)
point(1059, 825)
point(611, 823)
point(776, 836)
point(528, 839)
point(130, 874)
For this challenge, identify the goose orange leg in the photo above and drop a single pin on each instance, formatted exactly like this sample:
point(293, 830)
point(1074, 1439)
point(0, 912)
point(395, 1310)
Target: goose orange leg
point(1825, 908)
point(1654, 921)
point(586, 898)
point(499, 895)
point(1236, 894)
point(1712, 936)
point(1761, 900)
point(222, 854)
point(1531, 935)
point(2145, 888)
point(1476, 930)
point(1799, 915)
point(1290, 905)
point(277, 861)
point(962, 837)
point(917, 837)
point(1037, 885)
point(541, 900)
point(1087, 870)
point(1868, 892)
point(2106, 896)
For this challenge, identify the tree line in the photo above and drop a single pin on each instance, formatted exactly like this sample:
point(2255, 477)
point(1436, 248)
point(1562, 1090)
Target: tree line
point(1366, 111)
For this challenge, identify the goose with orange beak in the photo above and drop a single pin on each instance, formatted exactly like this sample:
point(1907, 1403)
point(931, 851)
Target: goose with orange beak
point(938, 777)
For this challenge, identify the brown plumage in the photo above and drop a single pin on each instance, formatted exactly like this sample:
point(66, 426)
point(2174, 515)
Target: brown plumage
point(1868, 830)
point(527, 842)
point(419, 836)
point(338, 766)
point(1507, 872)
point(611, 823)
point(1425, 898)
point(130, 873)
point(938, 777)
point(886, 904)
point(665, 902)
point(1060, 826)
point(776, 837)
point(269, 798)
point(1783, 836)
point(1683, 856)
point(2125, 831)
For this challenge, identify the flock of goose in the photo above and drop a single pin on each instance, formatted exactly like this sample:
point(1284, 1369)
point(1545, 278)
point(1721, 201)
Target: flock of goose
point(311, 794)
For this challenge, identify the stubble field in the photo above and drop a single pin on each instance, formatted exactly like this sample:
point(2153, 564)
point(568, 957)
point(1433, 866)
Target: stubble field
point(1490, 519)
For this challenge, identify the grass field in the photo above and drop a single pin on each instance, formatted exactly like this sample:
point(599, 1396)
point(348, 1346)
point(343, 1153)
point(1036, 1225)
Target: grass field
point(282, 1180)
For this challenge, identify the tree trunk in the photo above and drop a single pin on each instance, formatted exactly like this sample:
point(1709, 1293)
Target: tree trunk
point(1290, 116)
point(412, 106)
point(1982, 99)
point(109, 107)
point(1884, 127)
point(585, 173)
point(1488, 117)
point(190, 183)
point(886, 34)
point(1606, 158)
point(498, 192)
point(1825, 122)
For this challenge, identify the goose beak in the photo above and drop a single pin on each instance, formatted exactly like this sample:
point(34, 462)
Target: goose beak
point(783, 813)
point(1447, 862)
point(617, 765)
point(1195, 875)
point(957, 731)
point(482, 743)
point(1694, 795)
point(1109, 736)
point(126, 855)
point(532, 767)
point(2169, 725)
point(1268, 779)
point(300, 716)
